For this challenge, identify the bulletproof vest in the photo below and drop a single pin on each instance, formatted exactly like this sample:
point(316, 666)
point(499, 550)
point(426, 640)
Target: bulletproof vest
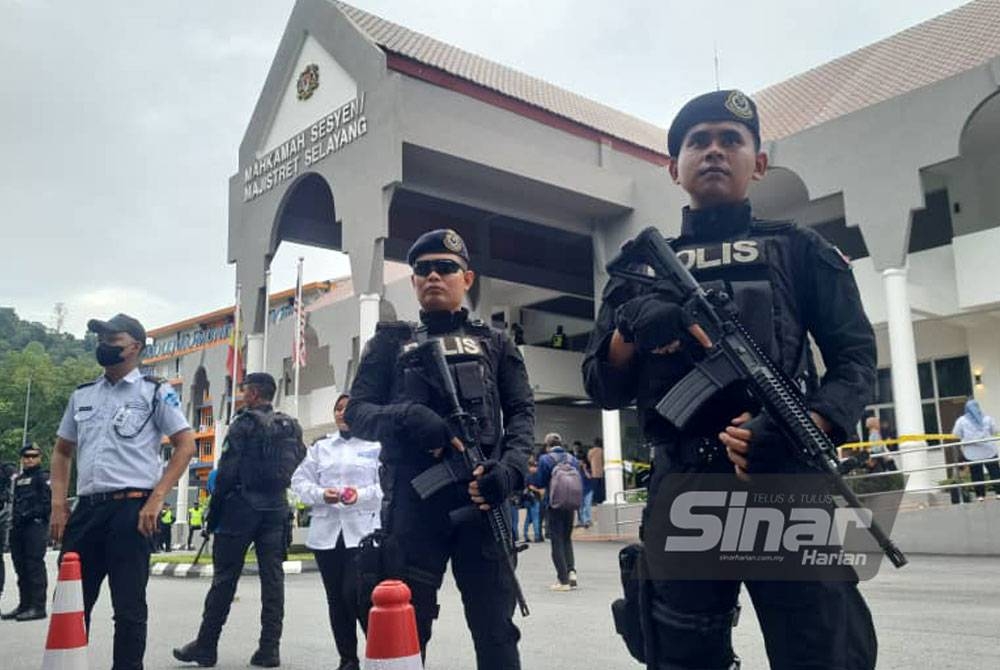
point(30, 501)
point(473, 354)
point(755, 268)
point(270, 448)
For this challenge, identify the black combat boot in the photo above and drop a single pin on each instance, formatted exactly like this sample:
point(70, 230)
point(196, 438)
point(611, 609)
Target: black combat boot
point(11, 615)
point(31, 614)
point(266, 656)
point(193, 652)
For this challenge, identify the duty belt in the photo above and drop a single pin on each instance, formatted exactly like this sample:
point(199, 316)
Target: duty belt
point(692, 451)
point(109, 496)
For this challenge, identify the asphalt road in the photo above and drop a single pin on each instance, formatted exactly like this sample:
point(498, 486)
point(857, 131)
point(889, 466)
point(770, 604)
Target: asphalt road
point(938, 612)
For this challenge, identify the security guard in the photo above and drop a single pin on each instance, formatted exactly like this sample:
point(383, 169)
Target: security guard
point(29, 535)
point(166, 527)
point(195, 518)
point(7, 472)
point(787, 283)
point(114, 426)
point(390, 403)
point(262, 450)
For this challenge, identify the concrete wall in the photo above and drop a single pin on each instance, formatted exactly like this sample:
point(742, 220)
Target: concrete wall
point(572, 423)
point(970, 529)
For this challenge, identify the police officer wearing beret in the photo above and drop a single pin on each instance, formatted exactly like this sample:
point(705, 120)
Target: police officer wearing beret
point(114, 427)
point(262, 450)
point(392, 404)
point(787, 283)
point(29, 535)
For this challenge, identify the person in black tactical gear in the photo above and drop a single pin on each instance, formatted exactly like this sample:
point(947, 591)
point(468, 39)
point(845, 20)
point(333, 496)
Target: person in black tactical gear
point(29, 536)
point(392, 403)
point(787, 283)
point(7, 472)
point(262, 450)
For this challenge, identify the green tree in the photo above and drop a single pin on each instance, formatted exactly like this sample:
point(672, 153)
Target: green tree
point(25, 353)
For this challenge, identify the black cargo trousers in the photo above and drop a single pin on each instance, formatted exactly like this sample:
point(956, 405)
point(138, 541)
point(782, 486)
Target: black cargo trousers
point(427, 540)
point(240, 526)
point(807, 625)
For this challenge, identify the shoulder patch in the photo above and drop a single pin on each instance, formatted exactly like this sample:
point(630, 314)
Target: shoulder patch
point(835, 258)
point(171, 398)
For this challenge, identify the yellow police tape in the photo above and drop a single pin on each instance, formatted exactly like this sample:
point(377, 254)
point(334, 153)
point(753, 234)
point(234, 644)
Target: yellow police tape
point(900, 440)
point(639, 465)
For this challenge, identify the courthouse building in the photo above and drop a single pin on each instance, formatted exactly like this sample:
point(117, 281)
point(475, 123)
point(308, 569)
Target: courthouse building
point(367, 134)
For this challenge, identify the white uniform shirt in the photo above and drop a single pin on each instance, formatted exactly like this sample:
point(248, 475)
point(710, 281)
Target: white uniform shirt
point(116, 447)
point(335, 462)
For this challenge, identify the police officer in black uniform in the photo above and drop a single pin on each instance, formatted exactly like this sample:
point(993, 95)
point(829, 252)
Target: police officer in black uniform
point(263, 448)
point(29, 535)
point(392, 404)
point(7, 472)
point(787, 282)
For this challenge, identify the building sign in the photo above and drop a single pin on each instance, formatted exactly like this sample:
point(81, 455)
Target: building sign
point(188, 340)
point(327, 136)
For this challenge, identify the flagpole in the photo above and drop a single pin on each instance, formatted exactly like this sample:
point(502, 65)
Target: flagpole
point(27, 410)
point(298, 333)
point(267, 317)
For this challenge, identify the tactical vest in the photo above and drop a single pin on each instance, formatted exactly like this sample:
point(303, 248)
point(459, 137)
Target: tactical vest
point(30, 499)
point(195, 516)
point(473, 353)
point(270, 448)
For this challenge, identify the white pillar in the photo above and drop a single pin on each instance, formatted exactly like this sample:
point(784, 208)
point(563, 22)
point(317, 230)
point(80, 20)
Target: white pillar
point(611, 432)
point(182, 504)
point(905, 382)
point(255, 353)
point(368, 306)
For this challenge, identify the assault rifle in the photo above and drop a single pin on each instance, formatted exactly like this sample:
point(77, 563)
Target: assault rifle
point(733, 356)
point(466, 428)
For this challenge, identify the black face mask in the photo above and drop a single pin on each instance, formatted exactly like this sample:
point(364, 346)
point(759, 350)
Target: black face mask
point(108, 354)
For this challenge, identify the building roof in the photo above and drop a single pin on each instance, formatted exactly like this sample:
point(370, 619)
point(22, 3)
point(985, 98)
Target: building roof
point(401, 41)
point(226, 313)
point(936, 49)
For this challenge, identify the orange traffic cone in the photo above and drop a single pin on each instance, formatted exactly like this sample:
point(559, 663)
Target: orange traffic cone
point(392, 630)
point(66, 645)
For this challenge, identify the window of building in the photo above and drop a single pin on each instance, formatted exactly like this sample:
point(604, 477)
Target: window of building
point(954, 377)
point(931, 226)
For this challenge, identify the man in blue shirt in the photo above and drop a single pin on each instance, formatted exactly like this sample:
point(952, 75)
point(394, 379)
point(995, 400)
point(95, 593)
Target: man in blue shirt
point(561, 519)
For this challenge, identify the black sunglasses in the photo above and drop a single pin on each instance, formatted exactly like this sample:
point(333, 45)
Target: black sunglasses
point(442, 266)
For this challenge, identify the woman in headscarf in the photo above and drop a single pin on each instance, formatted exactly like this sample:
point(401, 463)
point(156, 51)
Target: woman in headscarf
point(974, 425)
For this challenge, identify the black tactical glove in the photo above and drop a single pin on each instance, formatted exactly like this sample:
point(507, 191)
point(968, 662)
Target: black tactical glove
point(651, 320)
point(768, 451)
point(497, 482)
point(421, 426)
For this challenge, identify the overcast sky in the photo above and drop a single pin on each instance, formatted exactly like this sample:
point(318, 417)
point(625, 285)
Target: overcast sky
point(120, 121)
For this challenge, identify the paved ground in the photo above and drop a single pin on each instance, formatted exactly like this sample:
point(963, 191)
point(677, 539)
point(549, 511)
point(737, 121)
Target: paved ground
point(938, 612)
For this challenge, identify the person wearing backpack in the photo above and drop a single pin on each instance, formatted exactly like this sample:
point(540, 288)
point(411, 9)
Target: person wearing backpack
point(559, 473)
point(262, 450)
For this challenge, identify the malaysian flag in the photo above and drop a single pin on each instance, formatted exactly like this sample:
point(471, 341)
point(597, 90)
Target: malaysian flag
point(299, 340)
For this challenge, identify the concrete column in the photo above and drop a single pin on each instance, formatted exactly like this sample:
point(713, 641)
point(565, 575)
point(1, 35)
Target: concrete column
point(368, 306)
point(905, 382)
point(255, 353)
point(611, 432)
point(180, 521)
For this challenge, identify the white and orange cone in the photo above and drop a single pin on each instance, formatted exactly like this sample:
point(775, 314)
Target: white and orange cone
point(66, 645)
point(392, 630)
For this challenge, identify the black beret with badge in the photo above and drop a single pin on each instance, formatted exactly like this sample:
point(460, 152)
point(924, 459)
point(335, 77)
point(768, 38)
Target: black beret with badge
point(731, 105)
point(440, 241)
